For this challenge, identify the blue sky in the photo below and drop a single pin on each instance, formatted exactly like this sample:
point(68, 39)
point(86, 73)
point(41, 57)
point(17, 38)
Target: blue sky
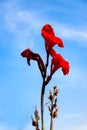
point(20, 86)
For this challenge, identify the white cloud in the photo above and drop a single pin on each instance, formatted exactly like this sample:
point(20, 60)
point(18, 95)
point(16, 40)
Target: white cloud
point(21, 21)
point(72, 32)
point(17, 16)
point(24, 23)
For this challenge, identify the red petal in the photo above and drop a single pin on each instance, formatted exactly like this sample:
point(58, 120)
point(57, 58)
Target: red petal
point(48, 29)
point(25, 53)
point(58, 41)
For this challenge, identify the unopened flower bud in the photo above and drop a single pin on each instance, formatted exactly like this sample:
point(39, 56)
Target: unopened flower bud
point(56, 92)
point(37, 117)
point(37, 129)
point(36, 114)
point(53, 106)
point(55, 87)
point(55, 100)
point(55, 114)
point(34, 123)
point(36, 111)
point(51, 98)
point(50, 92)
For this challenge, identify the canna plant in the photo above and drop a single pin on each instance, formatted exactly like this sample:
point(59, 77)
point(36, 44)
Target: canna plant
point(57, 62)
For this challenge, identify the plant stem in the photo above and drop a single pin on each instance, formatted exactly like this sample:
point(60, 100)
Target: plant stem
point(51, 122)
point(42, 105)
point(47, 61)
point(43, 93)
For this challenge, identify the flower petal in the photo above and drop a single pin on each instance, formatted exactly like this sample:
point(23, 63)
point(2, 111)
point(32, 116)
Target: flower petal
point(59, 62)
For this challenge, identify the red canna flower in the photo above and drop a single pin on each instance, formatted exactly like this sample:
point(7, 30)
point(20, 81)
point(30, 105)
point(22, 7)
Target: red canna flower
point(34, 56)
point(59, 62)
point(48, 34)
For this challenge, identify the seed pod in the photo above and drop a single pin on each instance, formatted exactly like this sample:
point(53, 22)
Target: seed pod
point(37, 117)
point(55, 100)
point(50, 92)
point(37, 129)
point(56, 92)
point(36, 114)
point(55, 114)
point(51, 98)
point(53, 106)
point(55, 87)
point(36, 111)
point(34, 123)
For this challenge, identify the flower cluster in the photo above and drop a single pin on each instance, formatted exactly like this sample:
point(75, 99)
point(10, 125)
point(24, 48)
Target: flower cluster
point(53, 100)
point(57, 61)
point(53, 109)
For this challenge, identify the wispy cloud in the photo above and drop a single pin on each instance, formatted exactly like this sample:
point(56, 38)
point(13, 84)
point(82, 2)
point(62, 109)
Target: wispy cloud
point(23, 23)
point(16, 18)
point(72, 33)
